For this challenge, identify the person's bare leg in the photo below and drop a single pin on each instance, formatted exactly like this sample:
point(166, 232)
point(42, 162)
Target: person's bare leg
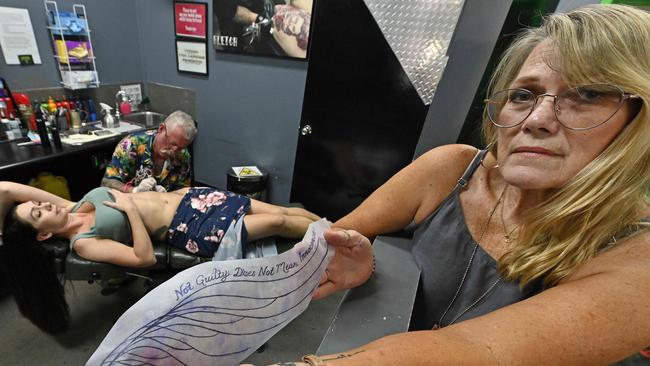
point(263, 225)
point(259, 207)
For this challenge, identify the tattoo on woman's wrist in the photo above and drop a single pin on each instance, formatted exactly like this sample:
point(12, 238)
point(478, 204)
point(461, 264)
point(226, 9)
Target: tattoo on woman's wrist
point(340, 356)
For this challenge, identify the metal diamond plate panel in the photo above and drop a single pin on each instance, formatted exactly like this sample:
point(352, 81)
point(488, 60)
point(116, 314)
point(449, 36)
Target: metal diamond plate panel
point(419, 33)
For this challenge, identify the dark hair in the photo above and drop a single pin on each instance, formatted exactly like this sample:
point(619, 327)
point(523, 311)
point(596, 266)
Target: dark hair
point(30, 274)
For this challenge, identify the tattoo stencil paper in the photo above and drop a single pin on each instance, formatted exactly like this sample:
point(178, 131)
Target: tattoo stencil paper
point(218, 313)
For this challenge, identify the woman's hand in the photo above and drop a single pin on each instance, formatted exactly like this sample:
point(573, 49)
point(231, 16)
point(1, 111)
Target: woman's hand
point(142, 246)
point(123, 202)
point(352, 264)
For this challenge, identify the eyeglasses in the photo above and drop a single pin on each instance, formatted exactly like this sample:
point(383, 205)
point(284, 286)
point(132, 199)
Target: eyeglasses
point(170, 148)
point(580, 108)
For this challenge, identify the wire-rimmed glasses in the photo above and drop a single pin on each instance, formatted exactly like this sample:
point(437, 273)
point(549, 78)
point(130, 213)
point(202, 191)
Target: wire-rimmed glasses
point(580, 108)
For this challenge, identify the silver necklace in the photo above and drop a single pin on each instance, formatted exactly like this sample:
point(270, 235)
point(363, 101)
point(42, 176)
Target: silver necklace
point(469, 265)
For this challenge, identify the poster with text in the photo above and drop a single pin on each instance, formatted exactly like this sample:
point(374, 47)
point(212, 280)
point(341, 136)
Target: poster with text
point(278, 28)
point(192, 57)
point(190, 19)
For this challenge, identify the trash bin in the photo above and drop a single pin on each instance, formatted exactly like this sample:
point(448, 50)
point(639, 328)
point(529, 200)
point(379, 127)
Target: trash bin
point(248, 181)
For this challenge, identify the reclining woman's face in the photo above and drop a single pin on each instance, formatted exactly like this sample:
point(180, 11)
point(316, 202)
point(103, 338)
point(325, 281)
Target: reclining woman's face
point(540, 153)
point(43, 216)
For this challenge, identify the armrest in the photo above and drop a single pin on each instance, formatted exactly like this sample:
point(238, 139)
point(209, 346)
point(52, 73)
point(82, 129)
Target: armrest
point(379, 307)
point(180, 259)
point(78, 268)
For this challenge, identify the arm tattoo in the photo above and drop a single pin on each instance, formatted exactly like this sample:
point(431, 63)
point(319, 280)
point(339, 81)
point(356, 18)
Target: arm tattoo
point(294, 22)
point(340, 355)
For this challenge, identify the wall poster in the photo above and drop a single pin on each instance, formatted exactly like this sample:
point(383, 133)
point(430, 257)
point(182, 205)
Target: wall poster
point(191, 29)
point(17, 37)
point(190, 19)
point(192, 57)
point(278, 28)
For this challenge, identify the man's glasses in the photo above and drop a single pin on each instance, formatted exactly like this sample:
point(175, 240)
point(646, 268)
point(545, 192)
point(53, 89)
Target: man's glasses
point(171, 149)
point(580, 108)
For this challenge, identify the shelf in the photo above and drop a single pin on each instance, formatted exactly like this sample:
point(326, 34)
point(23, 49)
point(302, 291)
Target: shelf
point(63, 44)
point(61, 29)
point(83, 58)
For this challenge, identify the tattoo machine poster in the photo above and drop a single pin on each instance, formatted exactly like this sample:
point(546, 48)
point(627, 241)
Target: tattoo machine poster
point(191, 28)
point(219, 312)
point(279, 28)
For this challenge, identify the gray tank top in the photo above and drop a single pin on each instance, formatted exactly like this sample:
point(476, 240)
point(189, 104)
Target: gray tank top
point(110, 223)
point(442, 249)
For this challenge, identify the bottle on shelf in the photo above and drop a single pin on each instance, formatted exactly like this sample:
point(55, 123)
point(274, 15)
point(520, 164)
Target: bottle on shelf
point(51, 106)
point(26, 111)
point(92, 112)
point(42, 128)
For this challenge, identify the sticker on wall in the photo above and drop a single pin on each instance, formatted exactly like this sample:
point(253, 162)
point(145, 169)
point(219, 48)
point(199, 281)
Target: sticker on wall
point(263, 27)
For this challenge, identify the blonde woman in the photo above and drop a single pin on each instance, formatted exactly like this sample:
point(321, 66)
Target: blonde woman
point(537, 249)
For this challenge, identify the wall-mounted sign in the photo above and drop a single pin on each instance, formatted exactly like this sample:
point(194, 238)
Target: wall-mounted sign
point(190, 19)
point(263, 27)
point(17, 37)
point(192, 57)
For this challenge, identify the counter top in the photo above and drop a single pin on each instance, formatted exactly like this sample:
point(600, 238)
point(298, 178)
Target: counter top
point(13, 154)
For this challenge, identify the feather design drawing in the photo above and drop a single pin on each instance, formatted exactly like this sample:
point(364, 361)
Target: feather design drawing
point(218, 313)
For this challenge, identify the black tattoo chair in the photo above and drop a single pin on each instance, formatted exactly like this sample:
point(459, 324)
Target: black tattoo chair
point(169, 260)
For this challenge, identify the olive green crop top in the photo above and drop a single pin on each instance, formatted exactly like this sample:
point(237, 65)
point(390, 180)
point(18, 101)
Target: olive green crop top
point(110, 223)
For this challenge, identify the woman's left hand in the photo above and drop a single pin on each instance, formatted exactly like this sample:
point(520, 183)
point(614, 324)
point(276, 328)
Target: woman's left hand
point(351, 265)
point(123, 202)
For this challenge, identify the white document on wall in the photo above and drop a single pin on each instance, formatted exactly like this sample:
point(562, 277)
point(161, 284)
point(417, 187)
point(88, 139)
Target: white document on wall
point(17, 36)
point(218, 312)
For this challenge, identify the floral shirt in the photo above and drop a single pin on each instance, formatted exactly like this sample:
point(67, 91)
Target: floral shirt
point(132, 162)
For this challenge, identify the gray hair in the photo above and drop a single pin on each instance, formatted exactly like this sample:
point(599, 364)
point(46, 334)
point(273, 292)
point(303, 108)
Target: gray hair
point(183, 120)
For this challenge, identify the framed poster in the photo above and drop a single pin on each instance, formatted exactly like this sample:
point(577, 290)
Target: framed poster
point(279, 28)
point(192, 57)
point(190, 19)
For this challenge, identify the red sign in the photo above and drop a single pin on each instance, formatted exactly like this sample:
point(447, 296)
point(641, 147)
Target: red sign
point(190, 19)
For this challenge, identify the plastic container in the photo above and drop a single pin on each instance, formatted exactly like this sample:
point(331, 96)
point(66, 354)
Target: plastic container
point(253, 186)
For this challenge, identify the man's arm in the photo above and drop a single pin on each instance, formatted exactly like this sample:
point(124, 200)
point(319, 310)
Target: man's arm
point(121, 167)
point(305, 5)
point(116, 184)
point(244, 16)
